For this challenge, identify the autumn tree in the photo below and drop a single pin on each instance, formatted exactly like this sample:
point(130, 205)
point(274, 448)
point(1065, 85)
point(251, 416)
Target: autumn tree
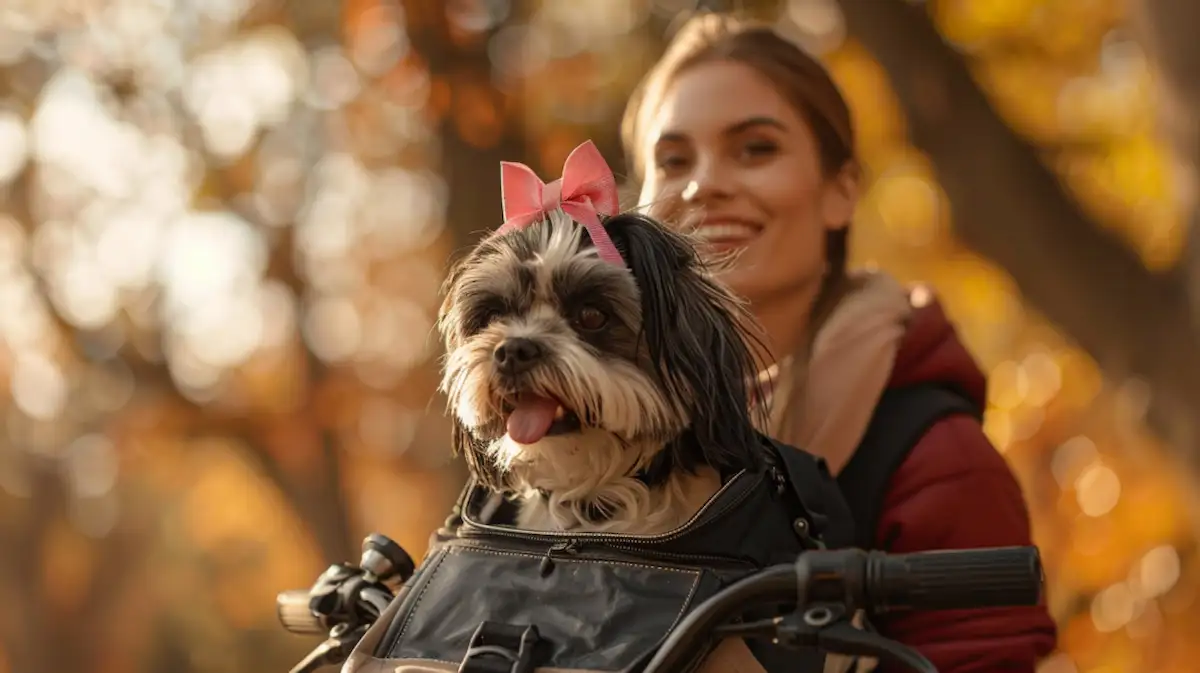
point(1125, 310)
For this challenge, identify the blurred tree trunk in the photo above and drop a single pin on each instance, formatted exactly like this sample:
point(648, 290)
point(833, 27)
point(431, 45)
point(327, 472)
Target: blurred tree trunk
point(1168, 31)
point(475, 130)
point(45, 629)
point(1011, 208)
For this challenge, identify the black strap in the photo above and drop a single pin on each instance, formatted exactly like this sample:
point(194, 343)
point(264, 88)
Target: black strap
point(901, 419)
point(818, 494)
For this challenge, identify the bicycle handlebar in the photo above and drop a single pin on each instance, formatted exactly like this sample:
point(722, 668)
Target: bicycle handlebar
point(930, 580)
point(295, 615)
point(345, 601)
point(853, 580)
point(294, 609)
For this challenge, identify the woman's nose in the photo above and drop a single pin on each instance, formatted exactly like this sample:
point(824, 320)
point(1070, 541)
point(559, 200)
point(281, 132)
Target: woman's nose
point(707, 182)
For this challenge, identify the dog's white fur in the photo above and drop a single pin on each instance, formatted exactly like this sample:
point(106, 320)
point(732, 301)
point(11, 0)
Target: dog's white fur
point(590, 466)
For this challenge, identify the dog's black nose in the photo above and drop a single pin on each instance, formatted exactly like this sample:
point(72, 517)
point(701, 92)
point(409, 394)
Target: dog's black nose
point(517, 355)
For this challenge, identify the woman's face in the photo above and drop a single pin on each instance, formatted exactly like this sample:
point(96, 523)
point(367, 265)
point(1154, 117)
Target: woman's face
point(728, 155)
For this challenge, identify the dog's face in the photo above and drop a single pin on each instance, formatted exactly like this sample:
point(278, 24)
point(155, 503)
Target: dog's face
point(562, 368)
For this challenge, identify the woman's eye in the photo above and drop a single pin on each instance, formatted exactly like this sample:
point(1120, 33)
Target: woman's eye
point(672, 163)
point(590, 319)
point(759, 149)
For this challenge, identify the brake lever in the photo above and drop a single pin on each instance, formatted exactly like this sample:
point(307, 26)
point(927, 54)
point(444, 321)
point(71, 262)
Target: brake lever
point(841, 637)
point(333, 650)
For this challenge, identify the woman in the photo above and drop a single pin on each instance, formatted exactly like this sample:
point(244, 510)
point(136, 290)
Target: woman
point(744, 136)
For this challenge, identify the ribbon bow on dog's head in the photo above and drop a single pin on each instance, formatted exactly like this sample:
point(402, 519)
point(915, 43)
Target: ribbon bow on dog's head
point(586, 191)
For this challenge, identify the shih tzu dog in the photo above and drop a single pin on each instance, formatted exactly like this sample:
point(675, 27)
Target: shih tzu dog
point(595, 370)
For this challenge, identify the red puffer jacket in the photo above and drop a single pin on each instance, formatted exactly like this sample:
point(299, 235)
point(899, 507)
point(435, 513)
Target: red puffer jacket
point(955, 463)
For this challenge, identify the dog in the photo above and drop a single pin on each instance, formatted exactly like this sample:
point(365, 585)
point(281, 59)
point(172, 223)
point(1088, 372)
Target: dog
point(595, 370)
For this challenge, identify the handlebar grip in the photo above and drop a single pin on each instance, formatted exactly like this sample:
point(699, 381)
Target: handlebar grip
point(954, 579)
point(295, 615)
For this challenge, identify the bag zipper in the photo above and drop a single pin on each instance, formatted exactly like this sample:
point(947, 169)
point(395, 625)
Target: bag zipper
point(472, 528)
point(565, 548)
point(612, 552)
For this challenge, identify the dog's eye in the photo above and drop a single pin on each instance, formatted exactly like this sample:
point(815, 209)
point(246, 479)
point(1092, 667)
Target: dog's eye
point(482, 317)
point(590, 319)
point(488, 316)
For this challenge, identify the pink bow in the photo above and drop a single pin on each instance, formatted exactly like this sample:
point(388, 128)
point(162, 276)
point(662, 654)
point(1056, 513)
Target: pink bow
point(586, 191)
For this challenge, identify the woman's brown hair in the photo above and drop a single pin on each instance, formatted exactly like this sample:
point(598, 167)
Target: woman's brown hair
point(798, 77)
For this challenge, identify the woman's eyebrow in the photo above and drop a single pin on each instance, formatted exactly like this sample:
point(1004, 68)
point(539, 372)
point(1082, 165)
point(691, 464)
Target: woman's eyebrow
point(747, 124)
point(733, 129)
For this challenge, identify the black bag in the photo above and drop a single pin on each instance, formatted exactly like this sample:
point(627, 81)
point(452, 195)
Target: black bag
point(603, 602)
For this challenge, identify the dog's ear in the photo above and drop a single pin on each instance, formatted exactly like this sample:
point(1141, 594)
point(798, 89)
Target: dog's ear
point(472, 450)
point(698, 335)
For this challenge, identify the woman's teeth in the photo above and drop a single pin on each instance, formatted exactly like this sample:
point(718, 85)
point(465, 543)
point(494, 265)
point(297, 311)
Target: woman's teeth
point(718, 232)
point(559, 412)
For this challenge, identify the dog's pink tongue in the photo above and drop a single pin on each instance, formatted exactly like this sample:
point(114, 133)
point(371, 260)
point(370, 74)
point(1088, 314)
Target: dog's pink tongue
point(531, 419)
